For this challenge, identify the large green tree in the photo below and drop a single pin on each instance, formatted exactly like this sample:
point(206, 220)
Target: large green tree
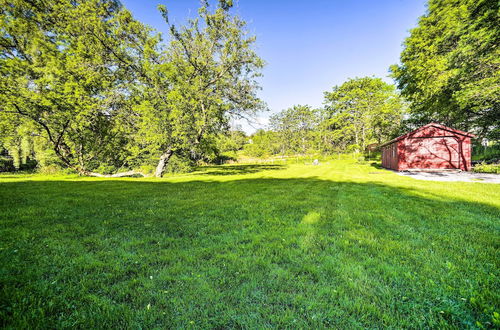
point(64, 70)
point(450, 66)
point(263, 143)
point(295, 128)
point(361, 111)
point(206, 76)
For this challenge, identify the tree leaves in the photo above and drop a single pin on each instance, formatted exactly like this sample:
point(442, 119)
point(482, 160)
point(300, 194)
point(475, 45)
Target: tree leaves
point(450, 66)
point(362, 111)
point(65, 68)
point(206, 76)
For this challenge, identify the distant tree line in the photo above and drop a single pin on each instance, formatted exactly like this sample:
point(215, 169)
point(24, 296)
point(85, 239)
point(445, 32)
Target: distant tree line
point(359, 112)
point(85, 86)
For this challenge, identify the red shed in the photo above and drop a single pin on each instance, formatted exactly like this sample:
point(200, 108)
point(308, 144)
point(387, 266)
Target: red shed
point(432, 146)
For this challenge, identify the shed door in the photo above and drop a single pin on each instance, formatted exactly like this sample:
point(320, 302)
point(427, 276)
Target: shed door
point(436, 152)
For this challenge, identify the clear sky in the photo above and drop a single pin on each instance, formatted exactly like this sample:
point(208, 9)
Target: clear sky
point(309, 46)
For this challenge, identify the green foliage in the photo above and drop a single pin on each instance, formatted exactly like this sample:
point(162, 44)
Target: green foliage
point(361, 111)
point(487, 168)
point(255, 150)
point(6, 164)
point(64, 69)
point(339, 245)
point(262, 143)
point(84, 85)
point(226, 146)
point(52, 169)
point(46, 158)
point(104, 93)
point(180, 164)
point(489, 153)
point(295, 129)
point(450, 66)
point(233, 141)
point(205, 77)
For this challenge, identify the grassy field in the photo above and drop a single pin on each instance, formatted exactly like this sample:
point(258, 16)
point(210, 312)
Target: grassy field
point(336, 245)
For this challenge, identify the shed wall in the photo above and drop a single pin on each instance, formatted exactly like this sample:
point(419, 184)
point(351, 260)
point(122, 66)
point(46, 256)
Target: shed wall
point(390, 156)
point(429, 147)
point(440, 152)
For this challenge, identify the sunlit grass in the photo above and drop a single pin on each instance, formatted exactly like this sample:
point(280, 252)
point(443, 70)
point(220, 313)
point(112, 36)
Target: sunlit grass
point(336, 245)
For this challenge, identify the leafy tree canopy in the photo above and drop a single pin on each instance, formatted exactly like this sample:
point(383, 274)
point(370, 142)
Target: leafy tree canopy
point(450, 66)
point(99, 90)
point(295, 128)
point(362, 111)
point(64, 70)
point(206, 76)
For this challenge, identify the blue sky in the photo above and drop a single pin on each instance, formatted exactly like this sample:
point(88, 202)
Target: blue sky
point(309, 46)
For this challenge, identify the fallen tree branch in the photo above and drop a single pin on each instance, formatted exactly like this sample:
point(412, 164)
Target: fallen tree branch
point(116, 175)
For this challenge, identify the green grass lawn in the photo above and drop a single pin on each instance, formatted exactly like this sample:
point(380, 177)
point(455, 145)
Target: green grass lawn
point(335, 245)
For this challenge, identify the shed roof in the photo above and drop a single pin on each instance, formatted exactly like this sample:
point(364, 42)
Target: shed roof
point(439, 126)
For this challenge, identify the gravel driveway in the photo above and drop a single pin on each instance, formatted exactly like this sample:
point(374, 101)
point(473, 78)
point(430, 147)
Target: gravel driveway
point(453, 176)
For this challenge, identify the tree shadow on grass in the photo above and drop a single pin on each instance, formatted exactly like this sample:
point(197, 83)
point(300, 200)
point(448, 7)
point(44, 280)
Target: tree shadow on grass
point(9, 175)
point(377, 165)
point(237, 169)
point(244, 253)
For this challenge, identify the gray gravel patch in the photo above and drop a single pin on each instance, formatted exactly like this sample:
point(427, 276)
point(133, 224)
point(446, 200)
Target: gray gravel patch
point(452, 176)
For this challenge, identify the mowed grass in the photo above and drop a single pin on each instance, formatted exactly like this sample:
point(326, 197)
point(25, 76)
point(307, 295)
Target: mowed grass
point(341, 245)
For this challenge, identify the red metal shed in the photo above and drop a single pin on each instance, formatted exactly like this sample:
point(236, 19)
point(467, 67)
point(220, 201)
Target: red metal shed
point(432, 146)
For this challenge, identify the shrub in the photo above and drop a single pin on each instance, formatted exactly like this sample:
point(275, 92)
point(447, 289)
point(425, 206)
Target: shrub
point(6, 164)
point(489, 154)
point(180, 164)
point(487, 168)
point(253, 150)
point(50, 169)
point(106, 169)
point(225, 157)
point(147, 169)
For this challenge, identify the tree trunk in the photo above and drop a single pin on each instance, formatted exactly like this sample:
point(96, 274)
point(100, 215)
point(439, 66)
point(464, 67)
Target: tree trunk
point(164, 158)
point(363, 139)
point(356, 139)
